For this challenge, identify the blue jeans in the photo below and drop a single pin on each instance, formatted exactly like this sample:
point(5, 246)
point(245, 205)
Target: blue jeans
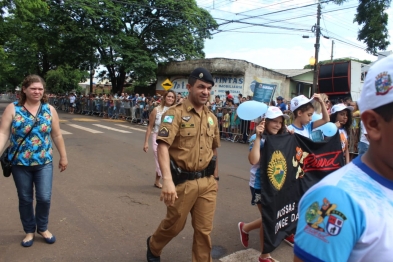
point(362, 148)
point(26, 178)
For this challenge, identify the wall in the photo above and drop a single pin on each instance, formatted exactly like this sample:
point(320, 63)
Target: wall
point(229, 74)
point(263, 75)
point(356, 80)
point(307, 90)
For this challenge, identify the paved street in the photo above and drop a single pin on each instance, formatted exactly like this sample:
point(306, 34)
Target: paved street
point(104, 205)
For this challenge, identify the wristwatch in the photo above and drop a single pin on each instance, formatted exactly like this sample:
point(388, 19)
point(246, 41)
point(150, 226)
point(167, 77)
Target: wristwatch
point(217, 178)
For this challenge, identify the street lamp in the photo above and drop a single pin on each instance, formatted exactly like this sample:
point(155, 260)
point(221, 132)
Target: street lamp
point(312, 61)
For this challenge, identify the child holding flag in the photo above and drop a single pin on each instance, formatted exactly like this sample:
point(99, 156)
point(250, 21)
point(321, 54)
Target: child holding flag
point(274, 121)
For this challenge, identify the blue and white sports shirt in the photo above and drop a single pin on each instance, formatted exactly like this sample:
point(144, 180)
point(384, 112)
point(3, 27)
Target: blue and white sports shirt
point(348, 216)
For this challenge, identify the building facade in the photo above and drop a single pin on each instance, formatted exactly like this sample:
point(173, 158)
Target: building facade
point(235, 76)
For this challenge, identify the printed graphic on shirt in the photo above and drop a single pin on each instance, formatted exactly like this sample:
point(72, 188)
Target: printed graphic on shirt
point(164, 132)
point(343, 140)
point(383, 83)
point(168, 119)
point(277, 170)
point(324, 221)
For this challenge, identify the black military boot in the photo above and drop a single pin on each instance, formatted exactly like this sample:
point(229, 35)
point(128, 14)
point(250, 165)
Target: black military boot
point(150, 257)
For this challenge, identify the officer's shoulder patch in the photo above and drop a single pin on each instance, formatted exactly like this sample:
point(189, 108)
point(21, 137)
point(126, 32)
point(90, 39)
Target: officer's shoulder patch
point(164, 132)
point(168, 119)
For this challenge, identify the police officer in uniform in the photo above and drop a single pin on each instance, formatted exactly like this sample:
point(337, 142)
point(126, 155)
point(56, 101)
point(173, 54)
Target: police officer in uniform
point(188, 139)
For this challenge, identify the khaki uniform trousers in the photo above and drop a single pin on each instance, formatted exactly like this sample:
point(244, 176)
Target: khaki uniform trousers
point(197, 197)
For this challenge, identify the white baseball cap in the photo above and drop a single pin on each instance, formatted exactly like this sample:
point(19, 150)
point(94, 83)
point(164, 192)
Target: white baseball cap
point(274, 112)
point(378, 86)
point(298, 101)
point(340, 107)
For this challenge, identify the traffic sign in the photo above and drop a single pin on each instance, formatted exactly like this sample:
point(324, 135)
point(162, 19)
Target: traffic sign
point(167, 84)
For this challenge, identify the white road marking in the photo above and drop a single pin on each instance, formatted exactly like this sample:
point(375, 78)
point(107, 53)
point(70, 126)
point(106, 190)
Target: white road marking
point(133, 128)
point(63, 132)
point(85, 129)
point(113, 129)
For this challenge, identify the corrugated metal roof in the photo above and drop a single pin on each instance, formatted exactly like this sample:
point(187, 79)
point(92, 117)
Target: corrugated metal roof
point(292, 72)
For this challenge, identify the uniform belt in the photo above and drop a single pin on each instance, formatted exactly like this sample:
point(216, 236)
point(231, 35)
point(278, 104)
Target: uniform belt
point(193, 175)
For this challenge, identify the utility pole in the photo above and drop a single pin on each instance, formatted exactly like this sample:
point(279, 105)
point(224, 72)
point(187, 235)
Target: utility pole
point(331, 56)
point(318, 36)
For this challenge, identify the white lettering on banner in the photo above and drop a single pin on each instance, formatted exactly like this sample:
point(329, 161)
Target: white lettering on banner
point(285, 210)
point(281, 223)
point(294, 217)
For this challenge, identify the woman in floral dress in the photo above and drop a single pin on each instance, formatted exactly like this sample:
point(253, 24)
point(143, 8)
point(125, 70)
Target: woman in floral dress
point(32, 167)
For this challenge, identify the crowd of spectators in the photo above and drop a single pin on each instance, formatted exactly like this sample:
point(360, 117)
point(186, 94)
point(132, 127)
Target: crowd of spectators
point(133, 107)
point(137, 107)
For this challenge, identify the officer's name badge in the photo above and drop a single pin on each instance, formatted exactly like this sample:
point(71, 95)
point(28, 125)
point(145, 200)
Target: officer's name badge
point(187, 125)
point(168, 119)
point(186, 118)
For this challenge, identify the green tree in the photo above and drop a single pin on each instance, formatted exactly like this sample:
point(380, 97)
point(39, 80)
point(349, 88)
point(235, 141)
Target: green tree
point(40, 43)
point(372, 16)
point(130, 38)
point(64, 79)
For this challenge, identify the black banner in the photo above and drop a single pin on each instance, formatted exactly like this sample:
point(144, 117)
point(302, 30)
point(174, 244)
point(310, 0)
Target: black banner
point(290, 165)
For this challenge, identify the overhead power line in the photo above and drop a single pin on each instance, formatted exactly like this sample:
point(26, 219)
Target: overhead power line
point(279, 11)
point(264, 7)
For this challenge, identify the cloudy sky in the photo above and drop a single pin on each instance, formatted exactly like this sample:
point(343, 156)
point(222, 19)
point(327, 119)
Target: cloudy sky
point(282, 46)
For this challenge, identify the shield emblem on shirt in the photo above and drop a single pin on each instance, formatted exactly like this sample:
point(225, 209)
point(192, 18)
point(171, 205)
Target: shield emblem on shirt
point(334, 225)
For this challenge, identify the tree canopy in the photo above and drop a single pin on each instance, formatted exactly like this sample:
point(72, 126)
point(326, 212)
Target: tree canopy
point(128, 37)
point(372, 16)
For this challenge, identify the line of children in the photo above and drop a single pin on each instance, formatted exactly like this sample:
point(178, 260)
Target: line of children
point(303, 110)
point(272, 124)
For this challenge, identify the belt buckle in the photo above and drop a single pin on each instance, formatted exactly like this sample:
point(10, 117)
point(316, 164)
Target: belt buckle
point(198, 175)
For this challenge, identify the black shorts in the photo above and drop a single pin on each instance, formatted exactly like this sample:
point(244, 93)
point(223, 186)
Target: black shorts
point(255, 196)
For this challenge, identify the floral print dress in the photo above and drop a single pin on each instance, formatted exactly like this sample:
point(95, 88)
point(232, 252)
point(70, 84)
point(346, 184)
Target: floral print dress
point(37, 147)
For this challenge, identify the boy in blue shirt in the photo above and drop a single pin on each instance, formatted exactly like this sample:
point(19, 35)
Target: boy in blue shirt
point(348, 216)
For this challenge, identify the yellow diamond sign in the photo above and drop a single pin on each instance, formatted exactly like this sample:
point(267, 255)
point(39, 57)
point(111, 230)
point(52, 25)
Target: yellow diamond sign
point(167, 84)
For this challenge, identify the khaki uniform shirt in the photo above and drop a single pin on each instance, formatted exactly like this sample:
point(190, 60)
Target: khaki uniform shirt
point(191, 136)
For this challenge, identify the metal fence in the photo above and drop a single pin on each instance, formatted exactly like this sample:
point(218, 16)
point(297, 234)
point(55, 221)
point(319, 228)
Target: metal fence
point(231, 127)
point(114, 108)
point(7, 97)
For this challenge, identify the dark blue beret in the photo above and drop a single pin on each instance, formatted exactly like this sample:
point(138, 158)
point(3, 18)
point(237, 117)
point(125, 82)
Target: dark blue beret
point(203, 75)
